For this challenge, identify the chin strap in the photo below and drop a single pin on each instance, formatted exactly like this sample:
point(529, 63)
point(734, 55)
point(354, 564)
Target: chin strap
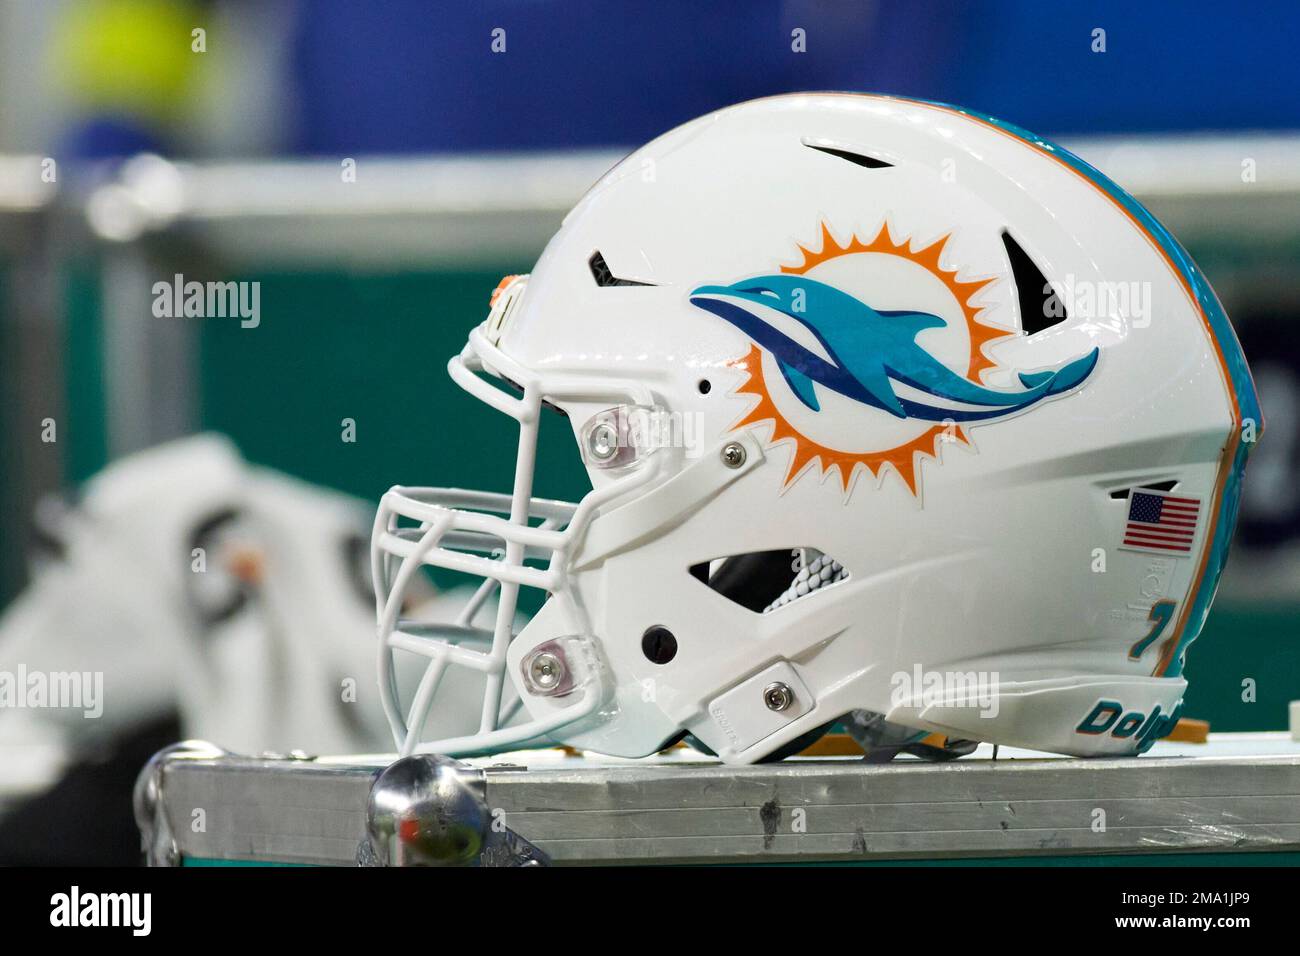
point(883, 741)
point(947, 749)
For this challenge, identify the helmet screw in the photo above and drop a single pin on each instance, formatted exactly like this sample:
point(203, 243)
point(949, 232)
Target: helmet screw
point(733, 454)
point(603, 441)
point(778, 696)
point(546, 670)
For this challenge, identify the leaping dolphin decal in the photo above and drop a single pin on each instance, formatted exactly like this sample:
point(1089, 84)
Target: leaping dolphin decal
point(866, 350)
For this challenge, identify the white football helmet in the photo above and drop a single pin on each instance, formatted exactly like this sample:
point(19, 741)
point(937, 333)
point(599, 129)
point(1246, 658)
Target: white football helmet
point(891, 411)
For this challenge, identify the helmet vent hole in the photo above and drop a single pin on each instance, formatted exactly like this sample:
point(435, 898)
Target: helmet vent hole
point(1121, 494)
point(705, 386)
point(858, 159)
point(658, 644)
point(604, 275)
point(1040, 307)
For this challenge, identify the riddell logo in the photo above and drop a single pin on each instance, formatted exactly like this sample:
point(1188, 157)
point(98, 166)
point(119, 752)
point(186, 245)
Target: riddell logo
point(720, 716)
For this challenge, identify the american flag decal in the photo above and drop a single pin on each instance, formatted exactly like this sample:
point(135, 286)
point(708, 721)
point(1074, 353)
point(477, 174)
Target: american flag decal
point(1161, 523)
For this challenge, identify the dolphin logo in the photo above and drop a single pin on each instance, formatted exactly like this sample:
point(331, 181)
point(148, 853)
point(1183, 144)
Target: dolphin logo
point(860, 352)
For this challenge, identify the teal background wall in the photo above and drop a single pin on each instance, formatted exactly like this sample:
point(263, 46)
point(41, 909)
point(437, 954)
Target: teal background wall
point(1244, 641)
point(373, 348)
point(84, 433)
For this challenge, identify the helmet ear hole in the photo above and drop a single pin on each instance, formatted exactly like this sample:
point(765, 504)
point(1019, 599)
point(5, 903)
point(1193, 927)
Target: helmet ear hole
point(705, 386)
point(658, 644)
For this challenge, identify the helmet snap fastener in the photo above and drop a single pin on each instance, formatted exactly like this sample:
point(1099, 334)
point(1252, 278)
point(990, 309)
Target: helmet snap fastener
point(603, 442)
point(733, 454)
point(545, 672)
point(778, 696)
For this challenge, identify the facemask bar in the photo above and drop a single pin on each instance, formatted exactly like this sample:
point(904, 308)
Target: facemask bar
point(452, 524)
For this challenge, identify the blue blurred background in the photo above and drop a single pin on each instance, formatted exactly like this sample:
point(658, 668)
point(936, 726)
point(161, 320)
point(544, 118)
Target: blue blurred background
point(319, 77)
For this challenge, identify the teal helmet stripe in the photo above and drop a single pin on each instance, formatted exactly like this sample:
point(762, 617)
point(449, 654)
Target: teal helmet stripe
point(1239, 380)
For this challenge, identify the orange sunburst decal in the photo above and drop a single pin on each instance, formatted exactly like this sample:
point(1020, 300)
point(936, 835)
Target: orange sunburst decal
point(904, 458)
